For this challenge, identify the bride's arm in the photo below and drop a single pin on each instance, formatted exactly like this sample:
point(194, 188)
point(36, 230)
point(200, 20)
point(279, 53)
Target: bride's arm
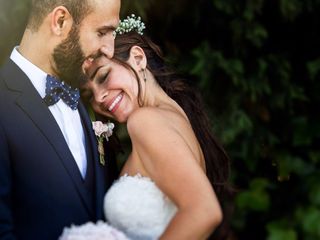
point(171, 164)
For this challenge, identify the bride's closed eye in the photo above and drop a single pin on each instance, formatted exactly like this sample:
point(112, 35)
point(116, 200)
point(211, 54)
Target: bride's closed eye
point(101, 76)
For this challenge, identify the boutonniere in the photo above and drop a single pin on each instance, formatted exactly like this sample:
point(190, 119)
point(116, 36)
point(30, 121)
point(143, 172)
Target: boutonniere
point(102, 131)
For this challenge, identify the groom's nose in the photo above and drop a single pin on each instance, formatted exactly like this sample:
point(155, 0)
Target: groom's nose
point(108, 49)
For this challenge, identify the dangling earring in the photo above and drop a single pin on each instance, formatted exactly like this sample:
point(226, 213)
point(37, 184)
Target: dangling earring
point(144, 75)
point(145, 89)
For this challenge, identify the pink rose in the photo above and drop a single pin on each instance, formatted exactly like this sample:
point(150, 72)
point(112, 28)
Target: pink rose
point(102, 129)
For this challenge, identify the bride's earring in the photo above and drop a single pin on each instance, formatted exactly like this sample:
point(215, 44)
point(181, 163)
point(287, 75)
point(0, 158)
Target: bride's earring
point(144, 75)
point(145, 89)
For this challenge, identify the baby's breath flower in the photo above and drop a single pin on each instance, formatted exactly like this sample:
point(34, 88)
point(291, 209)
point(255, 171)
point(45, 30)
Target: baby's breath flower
point(131, 23)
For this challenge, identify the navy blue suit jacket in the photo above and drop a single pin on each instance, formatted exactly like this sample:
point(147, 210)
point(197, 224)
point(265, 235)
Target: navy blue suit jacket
point(41, 188)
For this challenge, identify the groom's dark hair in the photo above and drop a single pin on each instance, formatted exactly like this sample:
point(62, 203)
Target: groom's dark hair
point(41, 8)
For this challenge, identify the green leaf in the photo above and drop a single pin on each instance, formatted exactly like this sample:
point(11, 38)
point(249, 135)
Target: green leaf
point(256, 197)
point(314, 156)
point(276, 232)
point(256, 34)
point(239, 122)
point(313, 68)
point(311, 220)
point(290, 9)
point(288, 164)
point(314, 194)
point(301, 133)
point(225, 6)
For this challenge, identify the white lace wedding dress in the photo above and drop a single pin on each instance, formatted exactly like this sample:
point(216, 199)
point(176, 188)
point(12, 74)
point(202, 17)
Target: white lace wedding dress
point(136, 206)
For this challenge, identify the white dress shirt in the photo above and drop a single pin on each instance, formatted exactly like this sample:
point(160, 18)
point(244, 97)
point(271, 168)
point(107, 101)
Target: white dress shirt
point(68, 120)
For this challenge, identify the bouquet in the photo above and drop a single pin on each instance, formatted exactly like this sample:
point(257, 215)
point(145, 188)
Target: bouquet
point(91, 231)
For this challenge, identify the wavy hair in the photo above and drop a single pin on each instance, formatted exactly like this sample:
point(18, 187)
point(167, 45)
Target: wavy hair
point(216, 159)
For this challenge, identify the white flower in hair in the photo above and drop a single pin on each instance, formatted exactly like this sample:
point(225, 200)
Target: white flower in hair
point(131, 23)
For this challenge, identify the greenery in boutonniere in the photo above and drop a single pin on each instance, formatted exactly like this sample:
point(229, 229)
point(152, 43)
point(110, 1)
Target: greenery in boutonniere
point(102, 131)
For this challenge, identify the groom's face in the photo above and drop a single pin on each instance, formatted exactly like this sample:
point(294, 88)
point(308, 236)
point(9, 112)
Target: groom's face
point(91, 38)
point(68, 57)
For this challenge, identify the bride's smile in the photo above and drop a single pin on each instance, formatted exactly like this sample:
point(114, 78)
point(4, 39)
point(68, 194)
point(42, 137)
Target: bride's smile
point(113, 91)
point(115, 103)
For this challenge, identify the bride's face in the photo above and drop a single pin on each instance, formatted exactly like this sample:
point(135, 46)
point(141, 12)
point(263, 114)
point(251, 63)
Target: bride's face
point(112, 89)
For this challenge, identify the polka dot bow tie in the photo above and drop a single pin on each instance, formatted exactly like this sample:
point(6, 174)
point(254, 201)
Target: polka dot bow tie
point(56, 90)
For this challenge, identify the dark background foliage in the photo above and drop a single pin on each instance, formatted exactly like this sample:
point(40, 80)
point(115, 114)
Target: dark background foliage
point(257, 64)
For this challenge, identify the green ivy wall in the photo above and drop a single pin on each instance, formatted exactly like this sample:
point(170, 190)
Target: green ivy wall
point(257, 64)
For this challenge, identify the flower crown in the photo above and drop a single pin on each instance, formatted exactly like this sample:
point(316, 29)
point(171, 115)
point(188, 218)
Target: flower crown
point(131, 23)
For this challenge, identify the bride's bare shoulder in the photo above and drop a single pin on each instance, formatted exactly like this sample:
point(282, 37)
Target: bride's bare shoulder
point(150, 120)
point(147, 117)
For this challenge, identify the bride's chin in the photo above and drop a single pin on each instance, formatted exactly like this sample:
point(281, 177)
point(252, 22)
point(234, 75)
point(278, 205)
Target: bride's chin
point(120, 120)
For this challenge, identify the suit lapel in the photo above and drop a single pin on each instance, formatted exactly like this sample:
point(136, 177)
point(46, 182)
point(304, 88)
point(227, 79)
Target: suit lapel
point(99, 181)
point(33, 106)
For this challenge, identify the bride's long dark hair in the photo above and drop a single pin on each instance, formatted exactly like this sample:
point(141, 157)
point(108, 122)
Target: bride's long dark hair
point(216, 159)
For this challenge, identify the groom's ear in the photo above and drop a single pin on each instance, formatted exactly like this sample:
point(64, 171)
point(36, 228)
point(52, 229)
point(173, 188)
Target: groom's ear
point(61, 21)
point(137, 59)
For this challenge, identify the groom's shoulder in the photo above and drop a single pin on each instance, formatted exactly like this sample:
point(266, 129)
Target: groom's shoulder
point(6, 68)
point(6, 75)
point(3, 77)
point(2, 81)
point(2, 73)
point(10, 75)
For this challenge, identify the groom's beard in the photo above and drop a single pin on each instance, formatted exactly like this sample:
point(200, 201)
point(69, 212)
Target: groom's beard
point(69, 57)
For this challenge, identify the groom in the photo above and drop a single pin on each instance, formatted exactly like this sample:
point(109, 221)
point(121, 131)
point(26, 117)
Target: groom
point(50, 175)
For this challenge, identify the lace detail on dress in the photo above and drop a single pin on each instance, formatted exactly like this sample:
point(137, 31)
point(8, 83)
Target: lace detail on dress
point(136, 206)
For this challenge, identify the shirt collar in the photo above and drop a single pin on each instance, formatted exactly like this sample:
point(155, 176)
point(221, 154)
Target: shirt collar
point(34, 73)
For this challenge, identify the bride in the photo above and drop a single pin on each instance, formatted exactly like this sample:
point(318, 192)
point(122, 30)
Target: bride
point(176, 174)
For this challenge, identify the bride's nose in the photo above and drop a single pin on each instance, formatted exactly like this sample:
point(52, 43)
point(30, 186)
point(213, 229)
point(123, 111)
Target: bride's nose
point(101, 96)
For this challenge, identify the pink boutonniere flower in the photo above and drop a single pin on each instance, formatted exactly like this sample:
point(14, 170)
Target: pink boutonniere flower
point(102, 131)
